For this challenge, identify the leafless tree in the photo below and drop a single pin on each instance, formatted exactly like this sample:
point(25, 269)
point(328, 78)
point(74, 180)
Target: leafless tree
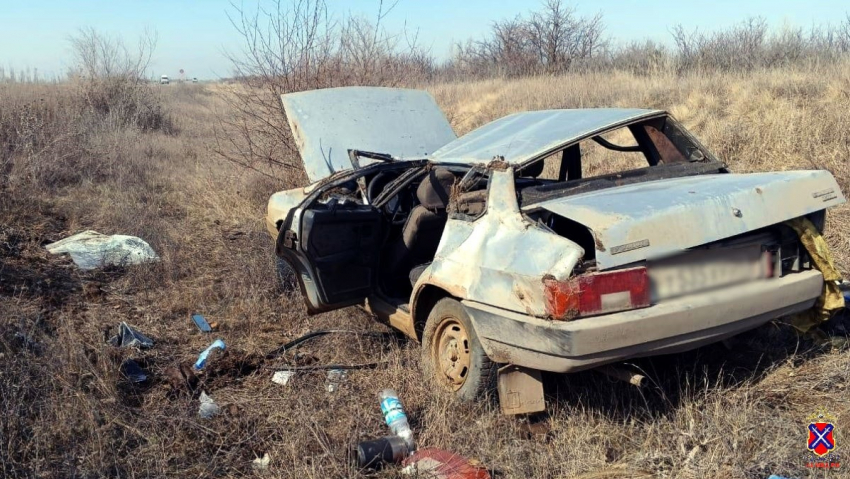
point(100, 56)
point(112, 78)
point(295, 45)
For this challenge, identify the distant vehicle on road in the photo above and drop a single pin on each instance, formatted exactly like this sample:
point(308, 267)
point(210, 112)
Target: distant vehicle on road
point(195, 80)
point(163, 80)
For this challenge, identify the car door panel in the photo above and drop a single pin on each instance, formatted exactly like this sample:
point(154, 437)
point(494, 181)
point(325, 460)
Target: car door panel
point(341, 245)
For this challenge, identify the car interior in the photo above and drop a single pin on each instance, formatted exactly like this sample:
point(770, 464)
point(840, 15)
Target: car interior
point(395, 218)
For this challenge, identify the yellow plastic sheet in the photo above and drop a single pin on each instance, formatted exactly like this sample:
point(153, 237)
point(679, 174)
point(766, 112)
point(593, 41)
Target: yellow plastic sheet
point(831, 298)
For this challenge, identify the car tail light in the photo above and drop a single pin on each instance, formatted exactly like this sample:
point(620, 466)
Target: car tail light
point(597, 293)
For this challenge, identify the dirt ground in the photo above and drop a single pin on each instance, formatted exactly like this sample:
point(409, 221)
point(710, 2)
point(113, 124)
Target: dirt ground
point(729, 411)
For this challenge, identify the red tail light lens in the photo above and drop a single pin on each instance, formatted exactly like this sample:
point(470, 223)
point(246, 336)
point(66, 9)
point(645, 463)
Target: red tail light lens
point(597, 293)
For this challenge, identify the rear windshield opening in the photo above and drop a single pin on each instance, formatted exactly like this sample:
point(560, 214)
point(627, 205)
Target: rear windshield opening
point(657, 148)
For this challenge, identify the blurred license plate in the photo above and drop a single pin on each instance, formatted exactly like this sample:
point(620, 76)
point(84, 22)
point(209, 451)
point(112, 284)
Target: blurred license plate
point(703, 270)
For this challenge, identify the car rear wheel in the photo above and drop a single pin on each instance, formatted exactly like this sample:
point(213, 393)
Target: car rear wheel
point(452, 354)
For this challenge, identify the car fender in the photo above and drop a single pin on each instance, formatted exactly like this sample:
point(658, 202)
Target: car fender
point(500, 258)
point(279, 205)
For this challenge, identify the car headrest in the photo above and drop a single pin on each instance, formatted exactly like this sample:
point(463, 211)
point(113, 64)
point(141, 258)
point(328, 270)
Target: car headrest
point(533, 170)
point(433, 192)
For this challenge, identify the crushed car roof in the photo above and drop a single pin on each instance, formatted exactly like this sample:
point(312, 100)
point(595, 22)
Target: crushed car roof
point(529, 135)
point(406, 124)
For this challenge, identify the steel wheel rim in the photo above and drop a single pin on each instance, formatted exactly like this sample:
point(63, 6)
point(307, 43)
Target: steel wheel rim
point(451, 353)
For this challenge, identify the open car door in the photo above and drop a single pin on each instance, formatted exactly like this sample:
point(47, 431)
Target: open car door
point(334, 248)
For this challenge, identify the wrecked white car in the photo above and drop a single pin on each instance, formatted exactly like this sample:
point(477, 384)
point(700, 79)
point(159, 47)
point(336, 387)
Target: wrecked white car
point(507, 246)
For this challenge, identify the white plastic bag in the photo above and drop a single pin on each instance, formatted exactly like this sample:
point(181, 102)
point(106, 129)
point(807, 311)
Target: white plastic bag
point(91, 250)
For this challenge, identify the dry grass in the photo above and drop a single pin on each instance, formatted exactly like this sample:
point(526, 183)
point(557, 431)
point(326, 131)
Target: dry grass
point(68, 413)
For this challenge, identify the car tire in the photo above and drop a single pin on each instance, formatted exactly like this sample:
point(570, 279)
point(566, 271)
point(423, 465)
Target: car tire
point(287, 280)
point(452, 355)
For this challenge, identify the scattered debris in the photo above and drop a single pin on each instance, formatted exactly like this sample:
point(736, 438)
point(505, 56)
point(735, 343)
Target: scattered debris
point(133, 371)
point(378, 452)
point(395, 417)
point(201, 323)
point(282, 377)
point(93, 291)
point(182, 378)
point(223, 368)
point(128, 337)
point(202, 358)
point(24, 341)
point(335, 376)
point(235, 235)
point(214, 325)
point(91, 250)
point(208, 407)
point(631, 377)
point(536, 426)
point(261, 463)
point(281, 350)
point(441, 464)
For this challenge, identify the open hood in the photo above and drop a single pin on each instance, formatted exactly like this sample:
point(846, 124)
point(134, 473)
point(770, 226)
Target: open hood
point(658, 218)
point(406, 124)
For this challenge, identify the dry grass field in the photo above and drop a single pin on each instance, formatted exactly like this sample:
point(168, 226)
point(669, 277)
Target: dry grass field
point(66, 411)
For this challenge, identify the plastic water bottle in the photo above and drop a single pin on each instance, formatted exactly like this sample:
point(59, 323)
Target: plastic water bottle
point(395, 416)
point(204, 356)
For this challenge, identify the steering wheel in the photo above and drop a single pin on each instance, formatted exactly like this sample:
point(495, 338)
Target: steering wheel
point(394, 209)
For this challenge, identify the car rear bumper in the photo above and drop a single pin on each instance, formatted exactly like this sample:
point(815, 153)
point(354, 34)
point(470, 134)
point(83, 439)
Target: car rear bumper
point(673, 326)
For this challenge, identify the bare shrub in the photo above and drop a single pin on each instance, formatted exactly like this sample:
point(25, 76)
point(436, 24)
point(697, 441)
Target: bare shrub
point(646, 57)
point(295, 46)
point(112, 80)
point(751, 44)
point(551, 40)
point(54, 135)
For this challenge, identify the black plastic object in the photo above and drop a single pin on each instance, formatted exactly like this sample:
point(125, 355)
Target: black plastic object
point(201, 323)
point(129, 337)
point(376, 453)
point(315, 334)
point(133, 371)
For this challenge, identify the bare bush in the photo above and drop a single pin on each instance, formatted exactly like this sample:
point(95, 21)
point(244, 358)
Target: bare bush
point(54, 135)
point(296, 46)
point(751, 44)
point(552, 40)
point(646, 57)
point(112, 79)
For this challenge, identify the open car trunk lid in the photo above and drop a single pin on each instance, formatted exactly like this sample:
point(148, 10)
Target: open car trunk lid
point(327, 123)
point(658, 218)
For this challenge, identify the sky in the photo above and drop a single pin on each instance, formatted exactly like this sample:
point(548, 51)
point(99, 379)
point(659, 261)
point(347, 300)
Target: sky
point(194, 34)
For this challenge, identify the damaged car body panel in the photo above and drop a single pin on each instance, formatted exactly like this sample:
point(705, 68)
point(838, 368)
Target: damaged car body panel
point(659, 218)
point(327, 123)
point(501, 257)
point(670, 327)
point(526, 136)
point(558, 267)
point(280, 204)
